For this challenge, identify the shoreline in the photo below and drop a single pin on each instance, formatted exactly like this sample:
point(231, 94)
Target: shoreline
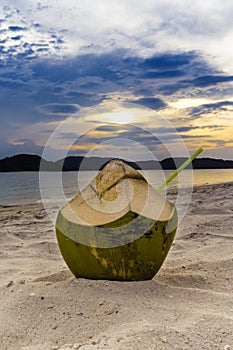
point(170, 191)
point(187, 305)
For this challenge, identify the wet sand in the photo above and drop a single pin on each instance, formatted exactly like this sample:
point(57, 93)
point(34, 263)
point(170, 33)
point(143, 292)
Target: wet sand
point(188, 304)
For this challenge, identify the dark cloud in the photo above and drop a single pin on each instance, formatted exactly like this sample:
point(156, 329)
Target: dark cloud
point(163, 75)
point(35, 89)
point(108, 128)
point(2, 48)
point(127, 133)
point(151, 102)
point(16, 38)
point(172, 88)
point(169, 61)
point(87, 79)
point(116, 131)
point(124, 71)
point(68, 135)
point(60, 41)
point(43, 49)
point(48, 131)
point(218, 105)
point(23, 140)
point(36, 25)
point(194, 136)
point(81, 66)
point(209, 80)
point(16, 28)
point(183, 129)
point(40, 45)
point(187, 128)
point(83, 99)
point(210, 108)
point(26, 55)
point(57, 108)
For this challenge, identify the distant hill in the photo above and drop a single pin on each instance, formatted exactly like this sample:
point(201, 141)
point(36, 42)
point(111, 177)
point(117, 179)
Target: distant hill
point(25, 162)
point(198, 163)
point(90, 163)
point(29, 162)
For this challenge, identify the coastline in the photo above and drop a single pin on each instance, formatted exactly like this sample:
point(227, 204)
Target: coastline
point(25, 188)
point(188, 304)
point(172, 190)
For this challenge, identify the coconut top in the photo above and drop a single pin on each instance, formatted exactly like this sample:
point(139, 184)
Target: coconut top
point(115, 191)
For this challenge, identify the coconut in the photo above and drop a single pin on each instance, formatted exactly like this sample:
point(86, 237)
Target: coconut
point(117, 228)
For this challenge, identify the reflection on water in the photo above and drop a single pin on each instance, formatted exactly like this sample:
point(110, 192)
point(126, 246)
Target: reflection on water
point(23, 187)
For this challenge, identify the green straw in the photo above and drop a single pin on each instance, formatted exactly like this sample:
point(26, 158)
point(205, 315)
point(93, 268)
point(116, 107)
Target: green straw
point(173, 175)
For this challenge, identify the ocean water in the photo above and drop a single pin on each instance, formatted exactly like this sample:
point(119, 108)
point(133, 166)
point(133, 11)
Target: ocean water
point(32, 187)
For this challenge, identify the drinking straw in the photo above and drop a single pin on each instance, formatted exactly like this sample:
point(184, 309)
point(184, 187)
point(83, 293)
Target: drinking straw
point(177, 171)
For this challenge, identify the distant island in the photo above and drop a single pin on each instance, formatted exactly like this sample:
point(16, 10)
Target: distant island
point(30, 162)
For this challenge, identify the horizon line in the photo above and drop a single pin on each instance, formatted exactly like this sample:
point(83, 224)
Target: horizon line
point(107, 157)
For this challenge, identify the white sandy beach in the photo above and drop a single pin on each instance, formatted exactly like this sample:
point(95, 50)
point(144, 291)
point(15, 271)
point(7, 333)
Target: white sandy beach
point(188, 305)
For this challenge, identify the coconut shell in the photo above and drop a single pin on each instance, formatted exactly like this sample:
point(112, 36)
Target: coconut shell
point(117, 190)
point(118, 227)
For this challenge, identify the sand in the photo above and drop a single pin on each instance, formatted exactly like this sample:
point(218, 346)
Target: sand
point(188, 304)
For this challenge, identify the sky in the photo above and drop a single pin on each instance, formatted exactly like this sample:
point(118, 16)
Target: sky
point(132, 79)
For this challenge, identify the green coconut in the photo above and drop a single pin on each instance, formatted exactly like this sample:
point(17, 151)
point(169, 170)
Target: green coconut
point(117, 228)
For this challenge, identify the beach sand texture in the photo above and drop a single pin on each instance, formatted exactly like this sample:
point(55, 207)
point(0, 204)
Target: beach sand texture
point(188, 305)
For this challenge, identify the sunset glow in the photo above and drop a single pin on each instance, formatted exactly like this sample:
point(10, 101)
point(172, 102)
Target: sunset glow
point(123, 117)
point(141, 65)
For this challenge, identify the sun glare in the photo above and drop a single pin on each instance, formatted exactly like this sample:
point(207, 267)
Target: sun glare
point(190, 102)
point(123, 117)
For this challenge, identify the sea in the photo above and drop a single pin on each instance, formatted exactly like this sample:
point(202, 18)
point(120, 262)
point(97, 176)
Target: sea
point(20, 188)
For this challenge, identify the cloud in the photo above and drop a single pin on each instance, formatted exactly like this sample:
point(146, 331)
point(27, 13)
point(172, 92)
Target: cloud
point(184, 129)
point(83, 99)
point(20, 35)
point(210, 108)
point(103, 66)
point(16, 28)
point(23, 141)
point(58, 85)
point(59, 109)
point(166, 74)
point(187, 128)
point(108, 128)
point(194, 137)
point(166, 62)
point(150, 53)
point(218, 105)
point(110, 134)
point(145, 29)
point(16, 38)
point(209, 80)
point(152, 27)
point(120, 70)
point(151, 102)
point(68, 135)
